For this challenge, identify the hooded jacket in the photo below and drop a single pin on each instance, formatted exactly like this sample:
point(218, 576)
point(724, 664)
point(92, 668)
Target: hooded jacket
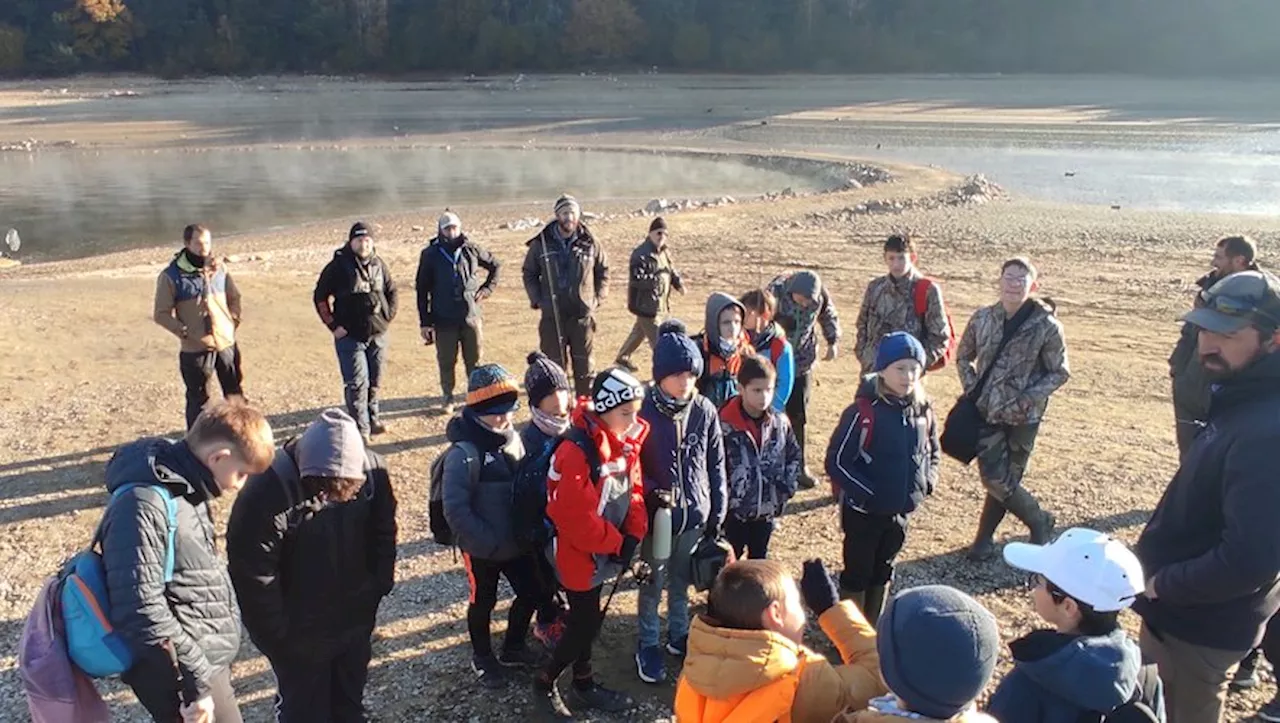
point(1058, 678)
point(886, 464)
point(448, 282)
point(363, 294)
point(1032, 366)
point(760, 675)
point(772, 343)
point(1212, 545)
point(310, 574)
point(802, 324)
point(578, 267)
point(763, 461)
point(196, 611)
point(200, 306)
point(479, 510)
point(592, 516)
point(718, 382)
point(685, 454)
point(651, 279)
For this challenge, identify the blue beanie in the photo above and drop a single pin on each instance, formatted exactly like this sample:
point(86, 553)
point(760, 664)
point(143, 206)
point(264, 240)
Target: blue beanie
point(675, 352)
point(938, 648)
point(898, 346)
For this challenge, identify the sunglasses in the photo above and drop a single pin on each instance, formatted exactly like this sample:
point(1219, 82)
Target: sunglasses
point(1037, 580)
point(1237, 306)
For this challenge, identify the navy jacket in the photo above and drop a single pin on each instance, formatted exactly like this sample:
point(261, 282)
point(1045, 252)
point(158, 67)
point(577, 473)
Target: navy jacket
point(1213, 545)
point(762, 459)
point(692, 443)
point(885, 461)
point(479, 510)
point(448, 280)
point(1058, 678)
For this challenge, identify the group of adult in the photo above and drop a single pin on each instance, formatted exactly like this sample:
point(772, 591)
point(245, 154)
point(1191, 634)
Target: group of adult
point(1211, 549)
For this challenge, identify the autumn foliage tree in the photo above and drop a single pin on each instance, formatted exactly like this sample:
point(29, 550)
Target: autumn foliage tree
point(102, 31)
point(603, 30)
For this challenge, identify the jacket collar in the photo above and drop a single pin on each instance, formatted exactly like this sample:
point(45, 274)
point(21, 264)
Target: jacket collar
point(1260, 380)
point(734, 415)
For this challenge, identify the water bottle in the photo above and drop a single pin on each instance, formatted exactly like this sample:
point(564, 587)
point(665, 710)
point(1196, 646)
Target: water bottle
point(662, 534)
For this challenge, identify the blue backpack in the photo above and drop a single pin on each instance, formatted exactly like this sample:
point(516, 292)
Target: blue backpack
point(92, 643)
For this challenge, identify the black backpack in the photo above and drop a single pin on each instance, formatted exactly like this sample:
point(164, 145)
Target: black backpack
point(533, 529)
point(441, 532)
point(1139, 709)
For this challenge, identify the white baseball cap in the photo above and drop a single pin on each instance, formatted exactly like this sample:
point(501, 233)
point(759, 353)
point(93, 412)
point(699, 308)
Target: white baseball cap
point(449, 219)
point(1090, 566)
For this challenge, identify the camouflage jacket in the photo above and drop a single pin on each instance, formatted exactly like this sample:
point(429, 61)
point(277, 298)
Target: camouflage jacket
point(801, 324)
point(1031, 367)
point(888, 306)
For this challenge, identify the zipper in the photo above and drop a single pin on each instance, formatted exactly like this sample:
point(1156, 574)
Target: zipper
point(679, 482)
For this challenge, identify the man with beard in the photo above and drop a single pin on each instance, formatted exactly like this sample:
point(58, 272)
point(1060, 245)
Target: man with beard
point(197, 301)
point(566, 276)
point(1212, 547)
point(1190, 383)
point(356, 299)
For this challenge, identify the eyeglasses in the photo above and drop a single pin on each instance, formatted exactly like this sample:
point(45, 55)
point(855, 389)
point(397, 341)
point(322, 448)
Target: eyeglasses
point(1018, 281)
point(1055, 592)
point(661, 233)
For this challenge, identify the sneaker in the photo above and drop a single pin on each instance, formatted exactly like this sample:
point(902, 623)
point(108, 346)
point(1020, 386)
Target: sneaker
point(807, 480)
point(489, 672)
point(678, 646)
point(626, 364)
point(649, 665)
point(1246, 677)
point(549, 634)
point(522, 657)
point(598, 697)
point(449, 405)
point(377, 427)
point(368, 441)
point(1271, 711)
point(547, 703)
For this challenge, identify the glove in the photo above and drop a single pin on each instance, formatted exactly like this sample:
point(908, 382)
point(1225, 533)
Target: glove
point(817, 588)
point(628, 551)
point(428, 335)
point(483, 294)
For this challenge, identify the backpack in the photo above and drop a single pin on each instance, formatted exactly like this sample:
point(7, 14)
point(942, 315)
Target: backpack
point(921, 298)
point(441, 532)
point(1140, 708)
point(533, 529)
point(92, 643)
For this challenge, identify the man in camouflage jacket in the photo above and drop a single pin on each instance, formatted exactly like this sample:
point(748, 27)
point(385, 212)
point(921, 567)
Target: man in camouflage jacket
point(1031, 367)
point(889, 306)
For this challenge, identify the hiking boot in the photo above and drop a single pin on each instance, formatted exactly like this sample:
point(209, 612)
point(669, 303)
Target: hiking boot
point(984, 543)
point(1271, 711)
point(489, 671)
point(876, 596)
point(649, 664)
point(547, 703)
point(1026, 508)
point(521, 657)
point(377, 427)
point(1246, 677)
point(626, 364)
point(598, 697)
point(447, 408)
point(549, 634)
point(807, 481)
point(678, 647)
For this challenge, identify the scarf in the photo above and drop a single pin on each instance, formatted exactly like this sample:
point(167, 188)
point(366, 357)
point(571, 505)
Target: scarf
point(668, 405)
point(890, 705)
point(196, 261)
point(550, 425)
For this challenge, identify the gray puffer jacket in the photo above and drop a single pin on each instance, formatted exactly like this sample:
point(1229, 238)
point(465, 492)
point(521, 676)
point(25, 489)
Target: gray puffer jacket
point(196, 612)
point(478, 507)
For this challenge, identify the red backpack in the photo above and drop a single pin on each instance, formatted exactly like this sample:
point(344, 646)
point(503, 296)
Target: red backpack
point(921, 298)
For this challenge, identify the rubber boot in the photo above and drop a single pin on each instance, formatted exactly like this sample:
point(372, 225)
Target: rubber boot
point(984, 543)
point(1026, 508)
point(876, 598)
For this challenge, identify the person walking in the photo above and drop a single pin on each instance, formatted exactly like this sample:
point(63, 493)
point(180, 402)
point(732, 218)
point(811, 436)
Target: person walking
point(891, 304)
point(652, 279)
point(356, 299)
point(198, 302)
point(566, 276)
point(1211, 549)
point(449, 295)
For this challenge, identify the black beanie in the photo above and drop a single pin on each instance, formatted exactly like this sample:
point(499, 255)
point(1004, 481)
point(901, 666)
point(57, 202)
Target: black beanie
point(544, 378)
point(659, 224)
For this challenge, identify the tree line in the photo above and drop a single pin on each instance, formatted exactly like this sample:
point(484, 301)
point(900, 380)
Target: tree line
point(187, 37)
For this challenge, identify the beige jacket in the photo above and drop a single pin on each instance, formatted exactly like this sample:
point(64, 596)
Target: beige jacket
point(199, 306)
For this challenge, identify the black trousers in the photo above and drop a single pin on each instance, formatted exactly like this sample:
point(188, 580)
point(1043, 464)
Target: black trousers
point(751, 536)
point(578, 338)
point(871, 543)
point(580, 632)
point(198, 367)
point(325, 690)
point(523, 575)
point(154, 682)
point(798, 407)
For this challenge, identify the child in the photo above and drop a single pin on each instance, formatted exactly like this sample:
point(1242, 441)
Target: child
point(723, 344)
point(883, 461)
point(683, 464)
point(599, 516)
point(1085, 666)
point(480, 469)
point(762, 457)
point(770, 340)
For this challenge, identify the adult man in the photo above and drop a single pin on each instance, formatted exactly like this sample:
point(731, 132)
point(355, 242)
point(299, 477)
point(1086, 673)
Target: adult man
point(183, 628)
point(356, 299)
point(1023, 374)
point(803, 305)
point(1190, 383)
point(649, 287)
point(197, 301)
point(449, 296)
point(890, 305)
point(1212, 547)
point(566, 276)
point(311, 548)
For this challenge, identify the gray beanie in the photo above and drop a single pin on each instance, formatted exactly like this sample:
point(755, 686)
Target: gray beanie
point(938, 648)
point(331, 446)
point(806, 284)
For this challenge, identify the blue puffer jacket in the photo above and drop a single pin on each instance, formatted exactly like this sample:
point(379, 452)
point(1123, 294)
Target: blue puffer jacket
point(1058, 678)
point(884, 454)
point(692, 443)
point(763, 461)
point(479, 509)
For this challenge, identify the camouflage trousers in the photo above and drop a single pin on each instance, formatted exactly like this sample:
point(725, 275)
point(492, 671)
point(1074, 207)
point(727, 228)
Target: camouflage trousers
point(1004, 452)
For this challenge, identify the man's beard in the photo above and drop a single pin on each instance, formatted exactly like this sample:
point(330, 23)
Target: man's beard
point(1222, 371)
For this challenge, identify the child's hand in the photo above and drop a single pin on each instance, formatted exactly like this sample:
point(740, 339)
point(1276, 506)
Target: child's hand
point(817, 588)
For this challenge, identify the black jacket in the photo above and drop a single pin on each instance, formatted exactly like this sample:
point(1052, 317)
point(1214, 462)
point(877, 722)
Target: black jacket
point(479, 510)
point(363, 294)
point(1213, 545)
point(310, 574)
point(448, 281)
point(195, 612)
point(578, 272)
point(652, 277)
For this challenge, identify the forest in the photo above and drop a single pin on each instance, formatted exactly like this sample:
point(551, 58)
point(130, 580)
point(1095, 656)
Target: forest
point(174, 38)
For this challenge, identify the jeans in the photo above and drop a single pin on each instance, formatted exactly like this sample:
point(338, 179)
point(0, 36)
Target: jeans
point(329, 690)
point(361, 366)
point(750, 536)
point(674, 575)
point(198, 367)
point(449, 339)
point(482, 575)
point(154, 682)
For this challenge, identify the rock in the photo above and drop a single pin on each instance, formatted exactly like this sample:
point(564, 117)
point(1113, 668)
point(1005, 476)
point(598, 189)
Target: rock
point(657, 205)
point(522, 224)
point(589, 216)
point(418, 229)
point(852, 184)
point(726, 201)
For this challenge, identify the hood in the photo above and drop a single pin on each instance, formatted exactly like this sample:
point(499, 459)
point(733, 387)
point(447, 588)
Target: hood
point(1094, 672)
point(805, 283)
point(723, 663)
point(762, 340)
point(466, 428)
point(1260, 380)
point(716, 303)
point(158, 461)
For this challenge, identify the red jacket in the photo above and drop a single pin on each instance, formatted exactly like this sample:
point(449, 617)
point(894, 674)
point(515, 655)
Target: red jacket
point(591, 516)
